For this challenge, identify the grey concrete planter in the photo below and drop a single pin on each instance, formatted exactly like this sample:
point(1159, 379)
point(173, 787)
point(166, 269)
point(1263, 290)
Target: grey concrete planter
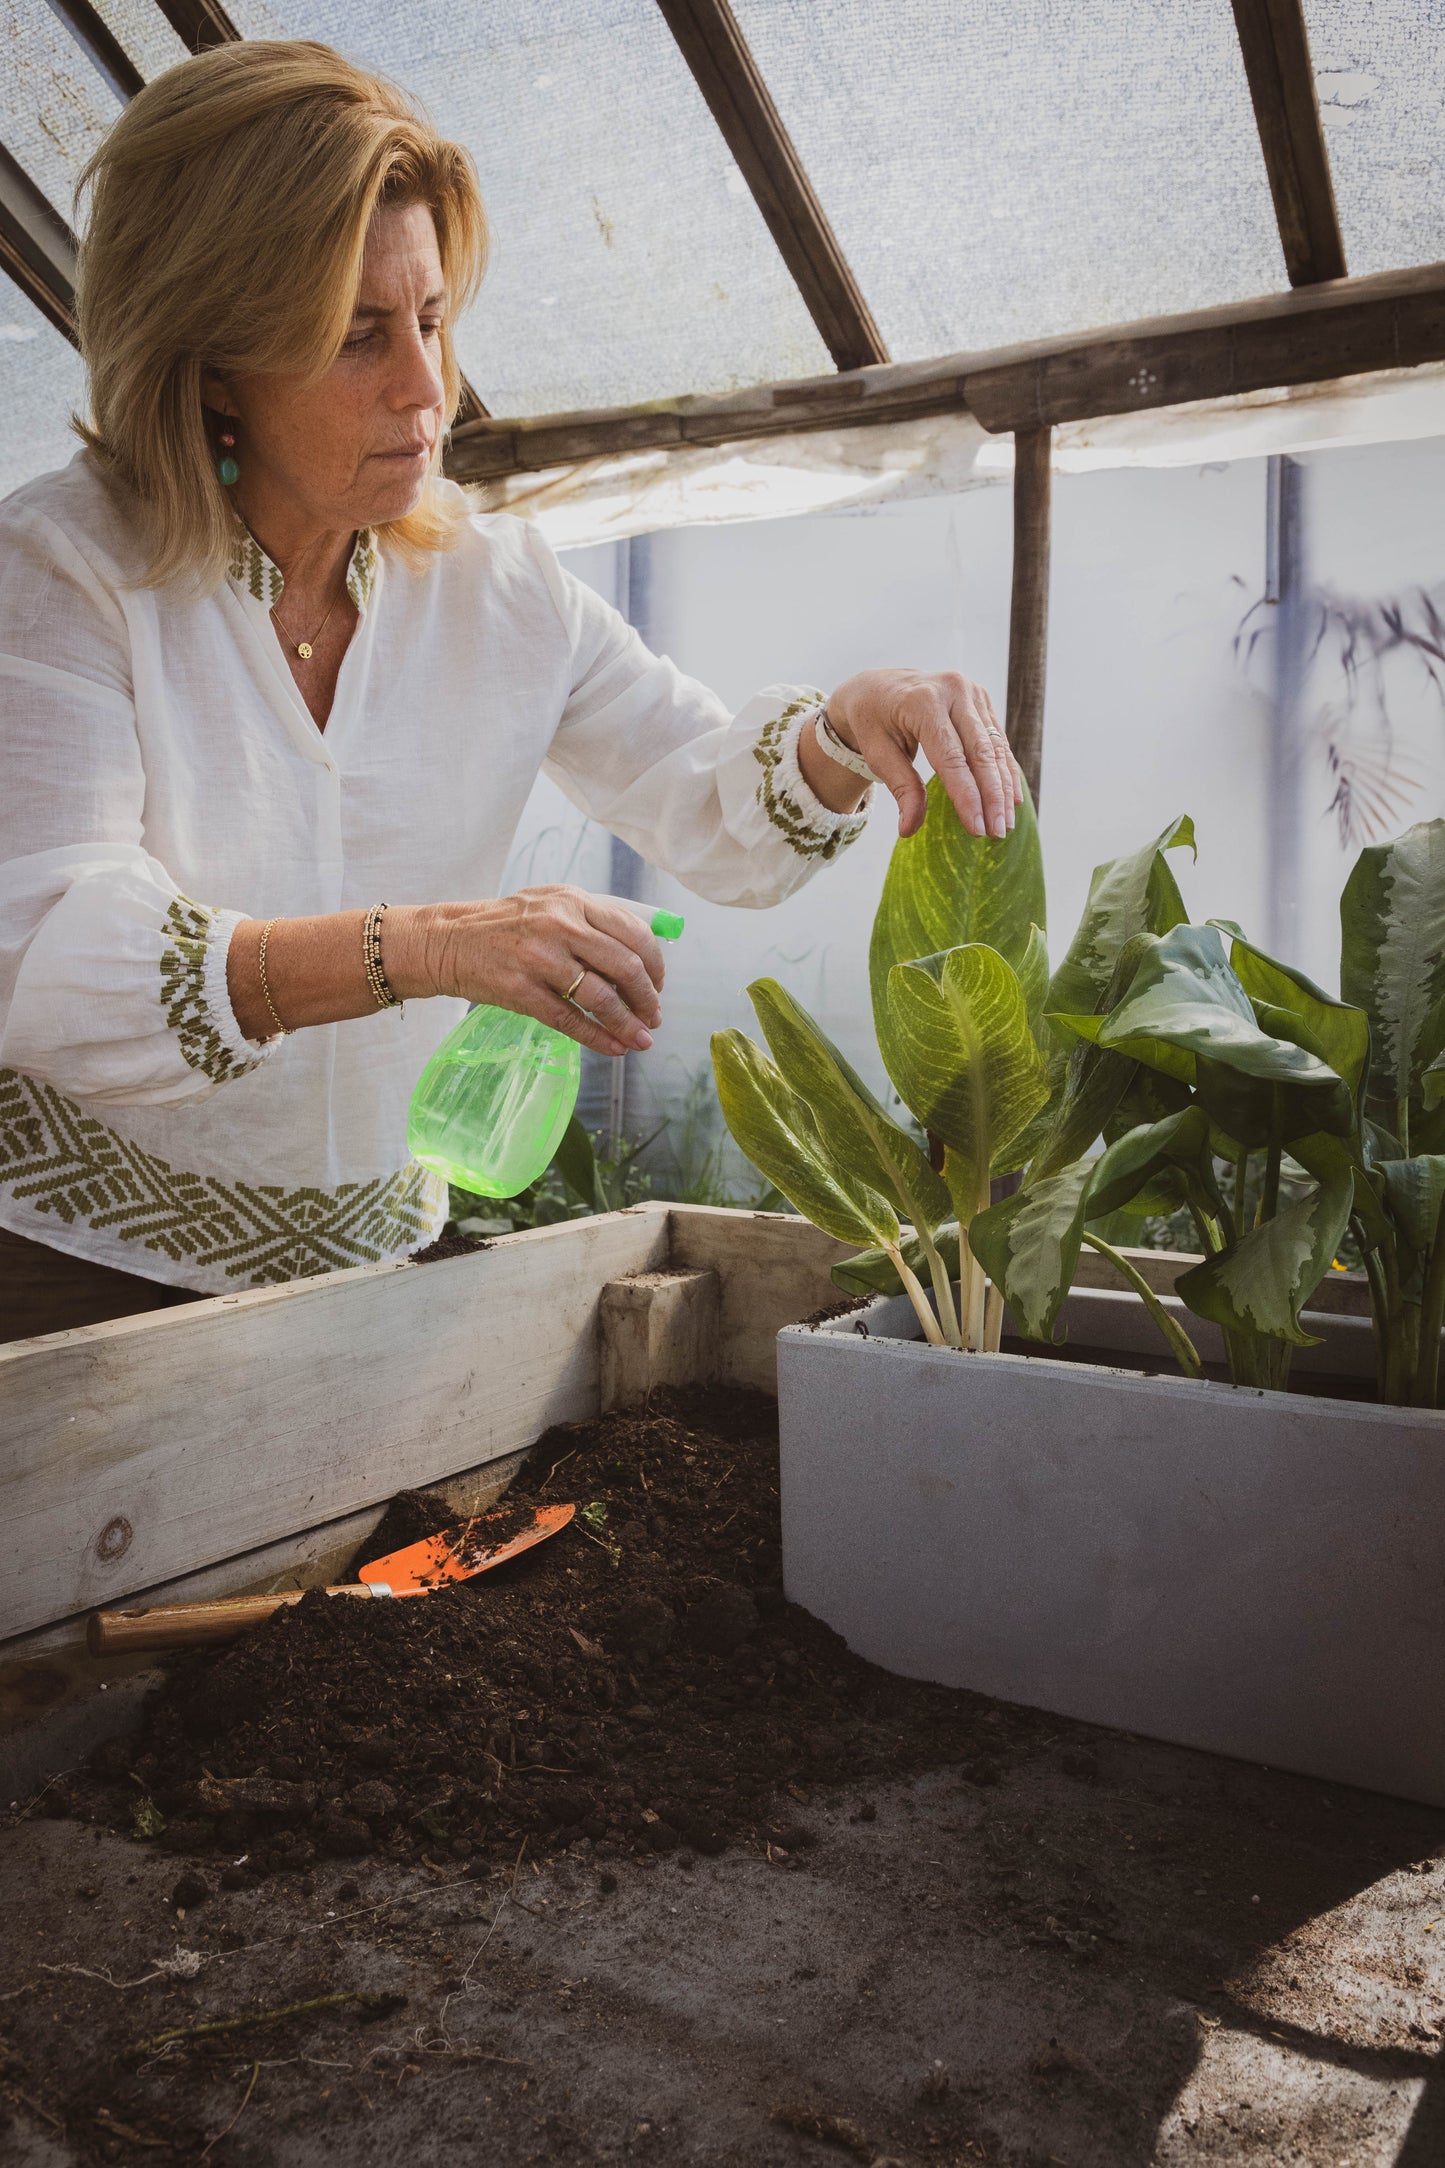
point(1260, 1574)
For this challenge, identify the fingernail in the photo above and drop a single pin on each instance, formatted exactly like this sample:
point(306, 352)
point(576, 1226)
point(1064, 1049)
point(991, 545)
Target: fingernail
point(644, 1038)
point(1000, 827)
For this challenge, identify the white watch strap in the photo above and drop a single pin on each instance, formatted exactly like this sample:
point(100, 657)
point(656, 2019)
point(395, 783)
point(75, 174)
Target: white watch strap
point(836, 750)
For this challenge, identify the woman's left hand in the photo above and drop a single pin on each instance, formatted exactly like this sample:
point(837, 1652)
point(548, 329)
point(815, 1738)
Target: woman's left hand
point(890, 716)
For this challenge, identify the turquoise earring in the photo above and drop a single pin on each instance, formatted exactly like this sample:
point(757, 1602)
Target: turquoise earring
point(226, 466)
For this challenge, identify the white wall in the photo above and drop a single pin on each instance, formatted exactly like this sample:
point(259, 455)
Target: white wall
point(1151, 710)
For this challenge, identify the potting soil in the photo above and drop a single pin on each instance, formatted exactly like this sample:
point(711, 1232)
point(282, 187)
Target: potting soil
point(637, 1679)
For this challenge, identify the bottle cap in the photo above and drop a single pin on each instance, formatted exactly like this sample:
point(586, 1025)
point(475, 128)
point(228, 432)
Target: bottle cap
point(667, 925)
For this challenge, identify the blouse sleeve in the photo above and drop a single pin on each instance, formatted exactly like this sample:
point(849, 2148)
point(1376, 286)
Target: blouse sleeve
point(717, 800)
point(112, 983)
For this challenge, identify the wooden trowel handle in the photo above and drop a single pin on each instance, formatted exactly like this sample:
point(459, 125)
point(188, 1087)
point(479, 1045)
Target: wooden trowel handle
point(174, 1625)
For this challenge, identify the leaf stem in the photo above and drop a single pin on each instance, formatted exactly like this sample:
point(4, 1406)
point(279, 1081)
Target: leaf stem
point(942, 1288)
point(1432, 1318)
point(1269, 1195)
point(992, 1319)
point(1185, 1353)
point(913, 1289)
point(1241, 1185)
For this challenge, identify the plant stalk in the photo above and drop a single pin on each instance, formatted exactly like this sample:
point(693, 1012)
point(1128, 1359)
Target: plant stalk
point(992, 1319)
point(942, 1290)
point(914, 1290)
point(1432, 1318)
point(1269, 1195)
point(1185, 1353)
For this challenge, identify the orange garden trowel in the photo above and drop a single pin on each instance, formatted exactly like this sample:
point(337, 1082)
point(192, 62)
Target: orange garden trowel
point(455, 1555)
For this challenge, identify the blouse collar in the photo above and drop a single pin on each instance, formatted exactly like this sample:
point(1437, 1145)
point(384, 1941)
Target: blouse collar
point(261, 578)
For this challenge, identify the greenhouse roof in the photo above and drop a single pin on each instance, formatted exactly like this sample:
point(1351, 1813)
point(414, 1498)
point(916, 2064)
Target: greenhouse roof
point(694, 206)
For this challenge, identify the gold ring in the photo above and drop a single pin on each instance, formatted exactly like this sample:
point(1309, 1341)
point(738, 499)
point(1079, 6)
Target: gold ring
point(575, 984)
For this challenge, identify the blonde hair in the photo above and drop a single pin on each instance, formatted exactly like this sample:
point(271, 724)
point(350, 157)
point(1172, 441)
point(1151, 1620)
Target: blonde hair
point(229, 208)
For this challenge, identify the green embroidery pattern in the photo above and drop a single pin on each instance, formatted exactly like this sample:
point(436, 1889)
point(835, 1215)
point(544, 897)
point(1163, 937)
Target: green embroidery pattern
point(782, 809)
point(255, 571)
point(64, 1162)
point(262, 580)
point(361, 577)
point(183, 992)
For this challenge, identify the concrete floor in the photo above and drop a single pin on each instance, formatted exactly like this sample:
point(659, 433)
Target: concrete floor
point(1119, 1953)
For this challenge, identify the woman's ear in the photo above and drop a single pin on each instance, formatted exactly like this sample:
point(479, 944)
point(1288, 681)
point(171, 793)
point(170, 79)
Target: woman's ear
point(215, 395)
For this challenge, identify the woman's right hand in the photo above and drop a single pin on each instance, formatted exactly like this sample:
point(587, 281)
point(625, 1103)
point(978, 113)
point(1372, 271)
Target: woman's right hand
point(522, 952)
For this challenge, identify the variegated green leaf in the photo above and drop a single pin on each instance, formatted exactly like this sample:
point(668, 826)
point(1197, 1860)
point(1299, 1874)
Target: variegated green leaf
point(860, 1131)
point(1262, 1281)
point(873, 1272)
point(1185, 1000)
point(1414, 1192)
point(776, 1131)
point(1336, 1031)
point(1127, 896)
point(1029, 1243)
point(957, 1044)
point(1433, 1085)
point(945, 887)
point(1392, 959)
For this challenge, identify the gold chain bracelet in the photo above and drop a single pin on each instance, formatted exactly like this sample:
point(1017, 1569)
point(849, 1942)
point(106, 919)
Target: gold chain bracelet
point(371, 951)
point(284, 1029)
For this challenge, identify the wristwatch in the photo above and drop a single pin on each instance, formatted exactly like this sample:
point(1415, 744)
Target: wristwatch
point(836, 750)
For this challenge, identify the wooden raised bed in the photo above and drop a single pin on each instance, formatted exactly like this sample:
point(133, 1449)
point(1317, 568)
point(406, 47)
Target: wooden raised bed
point(249, 1442)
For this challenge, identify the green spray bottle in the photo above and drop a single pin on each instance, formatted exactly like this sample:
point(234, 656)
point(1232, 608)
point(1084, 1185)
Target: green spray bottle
point(491, 1105)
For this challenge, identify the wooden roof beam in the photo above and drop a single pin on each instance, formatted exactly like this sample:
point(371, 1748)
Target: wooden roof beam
point(722, 64)
point(37, 248)
point(101, 47)
point(1393, 320)
point(1276, 49)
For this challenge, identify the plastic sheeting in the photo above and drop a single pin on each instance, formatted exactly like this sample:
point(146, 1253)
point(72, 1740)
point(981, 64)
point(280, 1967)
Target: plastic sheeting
point(629, 260)
point(859, 470)
point(1378, 68)
point(54, 106)
point(997, 174)
point(42, 383)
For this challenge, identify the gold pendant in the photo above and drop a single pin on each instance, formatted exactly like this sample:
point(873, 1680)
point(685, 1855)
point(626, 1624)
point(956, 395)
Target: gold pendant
point(304, 651)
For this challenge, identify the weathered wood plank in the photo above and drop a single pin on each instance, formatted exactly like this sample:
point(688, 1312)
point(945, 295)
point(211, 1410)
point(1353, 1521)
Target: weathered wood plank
point(1274, 42)
point(139, 1450)
point(658, 1328)
point(722, 64)
point(1315, 333)
point(1028, 627)
point(199, 24)
point(772, 1270)
point(37, 248)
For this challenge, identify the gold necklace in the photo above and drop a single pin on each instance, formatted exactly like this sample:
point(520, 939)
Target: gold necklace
point(304, 648)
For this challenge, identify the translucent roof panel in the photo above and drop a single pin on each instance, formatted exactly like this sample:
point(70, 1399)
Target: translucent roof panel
point(1004, 173)
point(42, 383)
point(54, 107)
point(1378, 68)
point(145, 36)
point(629, 261)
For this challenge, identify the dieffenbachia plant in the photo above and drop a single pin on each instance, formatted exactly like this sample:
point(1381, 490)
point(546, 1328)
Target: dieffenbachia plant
point(1209, 1070)
point(1266, 1071)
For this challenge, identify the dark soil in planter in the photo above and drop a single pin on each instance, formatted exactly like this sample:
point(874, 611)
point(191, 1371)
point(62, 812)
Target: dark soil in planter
point(638, 1679)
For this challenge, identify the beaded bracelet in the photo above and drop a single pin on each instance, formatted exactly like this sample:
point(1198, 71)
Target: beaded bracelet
point(371, 951)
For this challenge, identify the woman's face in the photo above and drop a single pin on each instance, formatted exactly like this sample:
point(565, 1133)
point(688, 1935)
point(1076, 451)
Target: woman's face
point(354, 448)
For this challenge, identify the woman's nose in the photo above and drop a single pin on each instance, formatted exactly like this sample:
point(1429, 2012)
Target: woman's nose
point(417, 380)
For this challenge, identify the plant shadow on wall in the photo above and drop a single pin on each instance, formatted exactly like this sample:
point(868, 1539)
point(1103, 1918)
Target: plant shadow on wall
point(1360, 649)
point(1180, 1049)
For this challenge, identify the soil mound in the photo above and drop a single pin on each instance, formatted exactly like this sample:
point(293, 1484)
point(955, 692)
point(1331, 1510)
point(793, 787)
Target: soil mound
point(638, 1680)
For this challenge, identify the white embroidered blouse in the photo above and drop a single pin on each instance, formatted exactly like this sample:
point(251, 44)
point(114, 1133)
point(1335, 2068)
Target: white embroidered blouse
point(163, 778)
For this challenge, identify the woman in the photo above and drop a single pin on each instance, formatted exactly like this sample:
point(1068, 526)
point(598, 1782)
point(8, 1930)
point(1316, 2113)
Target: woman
point(273, 697)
